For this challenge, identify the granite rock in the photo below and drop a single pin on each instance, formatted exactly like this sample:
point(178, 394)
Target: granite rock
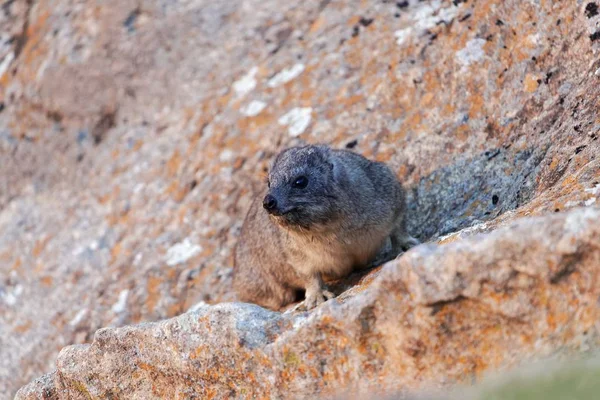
point(133, 134)
point(438, 316)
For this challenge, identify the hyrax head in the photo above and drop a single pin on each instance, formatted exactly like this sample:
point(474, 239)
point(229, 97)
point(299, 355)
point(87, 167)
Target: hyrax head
point(301, 188)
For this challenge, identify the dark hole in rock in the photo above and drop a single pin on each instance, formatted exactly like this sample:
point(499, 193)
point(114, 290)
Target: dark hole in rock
point(55, 116)
point(365, 21)
point(106, 122)
point(591, 10)
point(580, 149)
point(129, 22)
point(457, 196)
point(402, 4)
point(595, 36)
point(352, 144)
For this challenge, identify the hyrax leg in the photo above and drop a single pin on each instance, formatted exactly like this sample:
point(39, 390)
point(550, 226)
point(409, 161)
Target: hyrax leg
point(316, 293)
point(259, 288)
point(401, 240)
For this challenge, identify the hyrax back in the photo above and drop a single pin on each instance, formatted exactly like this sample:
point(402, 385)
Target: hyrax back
point(324, 212)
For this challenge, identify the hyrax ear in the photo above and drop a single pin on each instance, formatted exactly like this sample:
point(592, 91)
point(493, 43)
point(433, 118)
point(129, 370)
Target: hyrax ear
point(329, 159)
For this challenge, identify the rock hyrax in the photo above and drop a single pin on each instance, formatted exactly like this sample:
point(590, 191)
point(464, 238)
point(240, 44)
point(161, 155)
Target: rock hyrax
point(325, 212)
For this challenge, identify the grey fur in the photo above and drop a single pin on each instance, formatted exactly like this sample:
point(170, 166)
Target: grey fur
point(339, 222)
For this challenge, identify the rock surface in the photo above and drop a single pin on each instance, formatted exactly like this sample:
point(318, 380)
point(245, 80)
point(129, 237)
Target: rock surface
point(441, 314)
point(132, 135)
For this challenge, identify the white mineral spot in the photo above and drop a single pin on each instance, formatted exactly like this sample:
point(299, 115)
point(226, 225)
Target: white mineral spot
point(297, 120)
point(246, 83)
point(473, 52)
point(589, 202)
point(121, 304)
point(286, 75)
point(181, 252)
point(254, 108)
point(427, 16)
point(534, 39)
point(78, 317)
point(10, 298)
point(572, 203)
point(401, 35)
point(6, 62)
point(597, 73)
point(595, 190)
point(226, 155)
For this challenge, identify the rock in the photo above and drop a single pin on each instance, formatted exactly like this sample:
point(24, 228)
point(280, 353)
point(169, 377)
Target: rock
point(132, 136)
point(439, 315)
point(41, 388)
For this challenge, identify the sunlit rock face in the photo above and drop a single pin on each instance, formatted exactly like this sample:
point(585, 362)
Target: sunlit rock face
point(133, 135)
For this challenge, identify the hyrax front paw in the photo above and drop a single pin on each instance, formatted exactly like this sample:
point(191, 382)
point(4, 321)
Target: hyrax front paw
point(409, 242)
point(315, 298)
point(403, 242)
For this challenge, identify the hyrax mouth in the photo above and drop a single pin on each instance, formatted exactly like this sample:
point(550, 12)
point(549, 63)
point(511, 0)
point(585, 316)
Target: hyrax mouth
point(288, 218)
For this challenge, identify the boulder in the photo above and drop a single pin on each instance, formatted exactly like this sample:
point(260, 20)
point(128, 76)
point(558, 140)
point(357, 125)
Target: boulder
point(437, 316)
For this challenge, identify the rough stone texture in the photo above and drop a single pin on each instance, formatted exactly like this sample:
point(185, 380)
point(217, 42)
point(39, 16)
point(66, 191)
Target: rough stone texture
point(442, 314)
point(132, 134)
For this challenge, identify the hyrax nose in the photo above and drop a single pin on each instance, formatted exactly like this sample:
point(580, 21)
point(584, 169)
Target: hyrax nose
point(269, 203)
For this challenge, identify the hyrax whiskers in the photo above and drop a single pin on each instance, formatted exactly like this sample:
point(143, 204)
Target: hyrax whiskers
point(324, 212)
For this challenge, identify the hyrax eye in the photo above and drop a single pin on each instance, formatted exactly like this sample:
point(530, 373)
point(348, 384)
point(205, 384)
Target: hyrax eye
point(300, 182)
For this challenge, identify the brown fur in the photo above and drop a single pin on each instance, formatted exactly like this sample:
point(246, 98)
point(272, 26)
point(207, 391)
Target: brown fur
point(339, 222)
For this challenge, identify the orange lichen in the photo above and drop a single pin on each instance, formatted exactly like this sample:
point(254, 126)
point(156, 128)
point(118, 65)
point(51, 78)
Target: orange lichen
point(531, 83)
point(23, 328)
point(317, 24)
point(40, 245)
point(174, 163)
point(47, 281)
point(16, 265)
point(153, 292)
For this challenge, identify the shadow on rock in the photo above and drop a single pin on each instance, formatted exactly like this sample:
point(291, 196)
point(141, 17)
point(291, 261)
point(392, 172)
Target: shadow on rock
point(472, 191)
